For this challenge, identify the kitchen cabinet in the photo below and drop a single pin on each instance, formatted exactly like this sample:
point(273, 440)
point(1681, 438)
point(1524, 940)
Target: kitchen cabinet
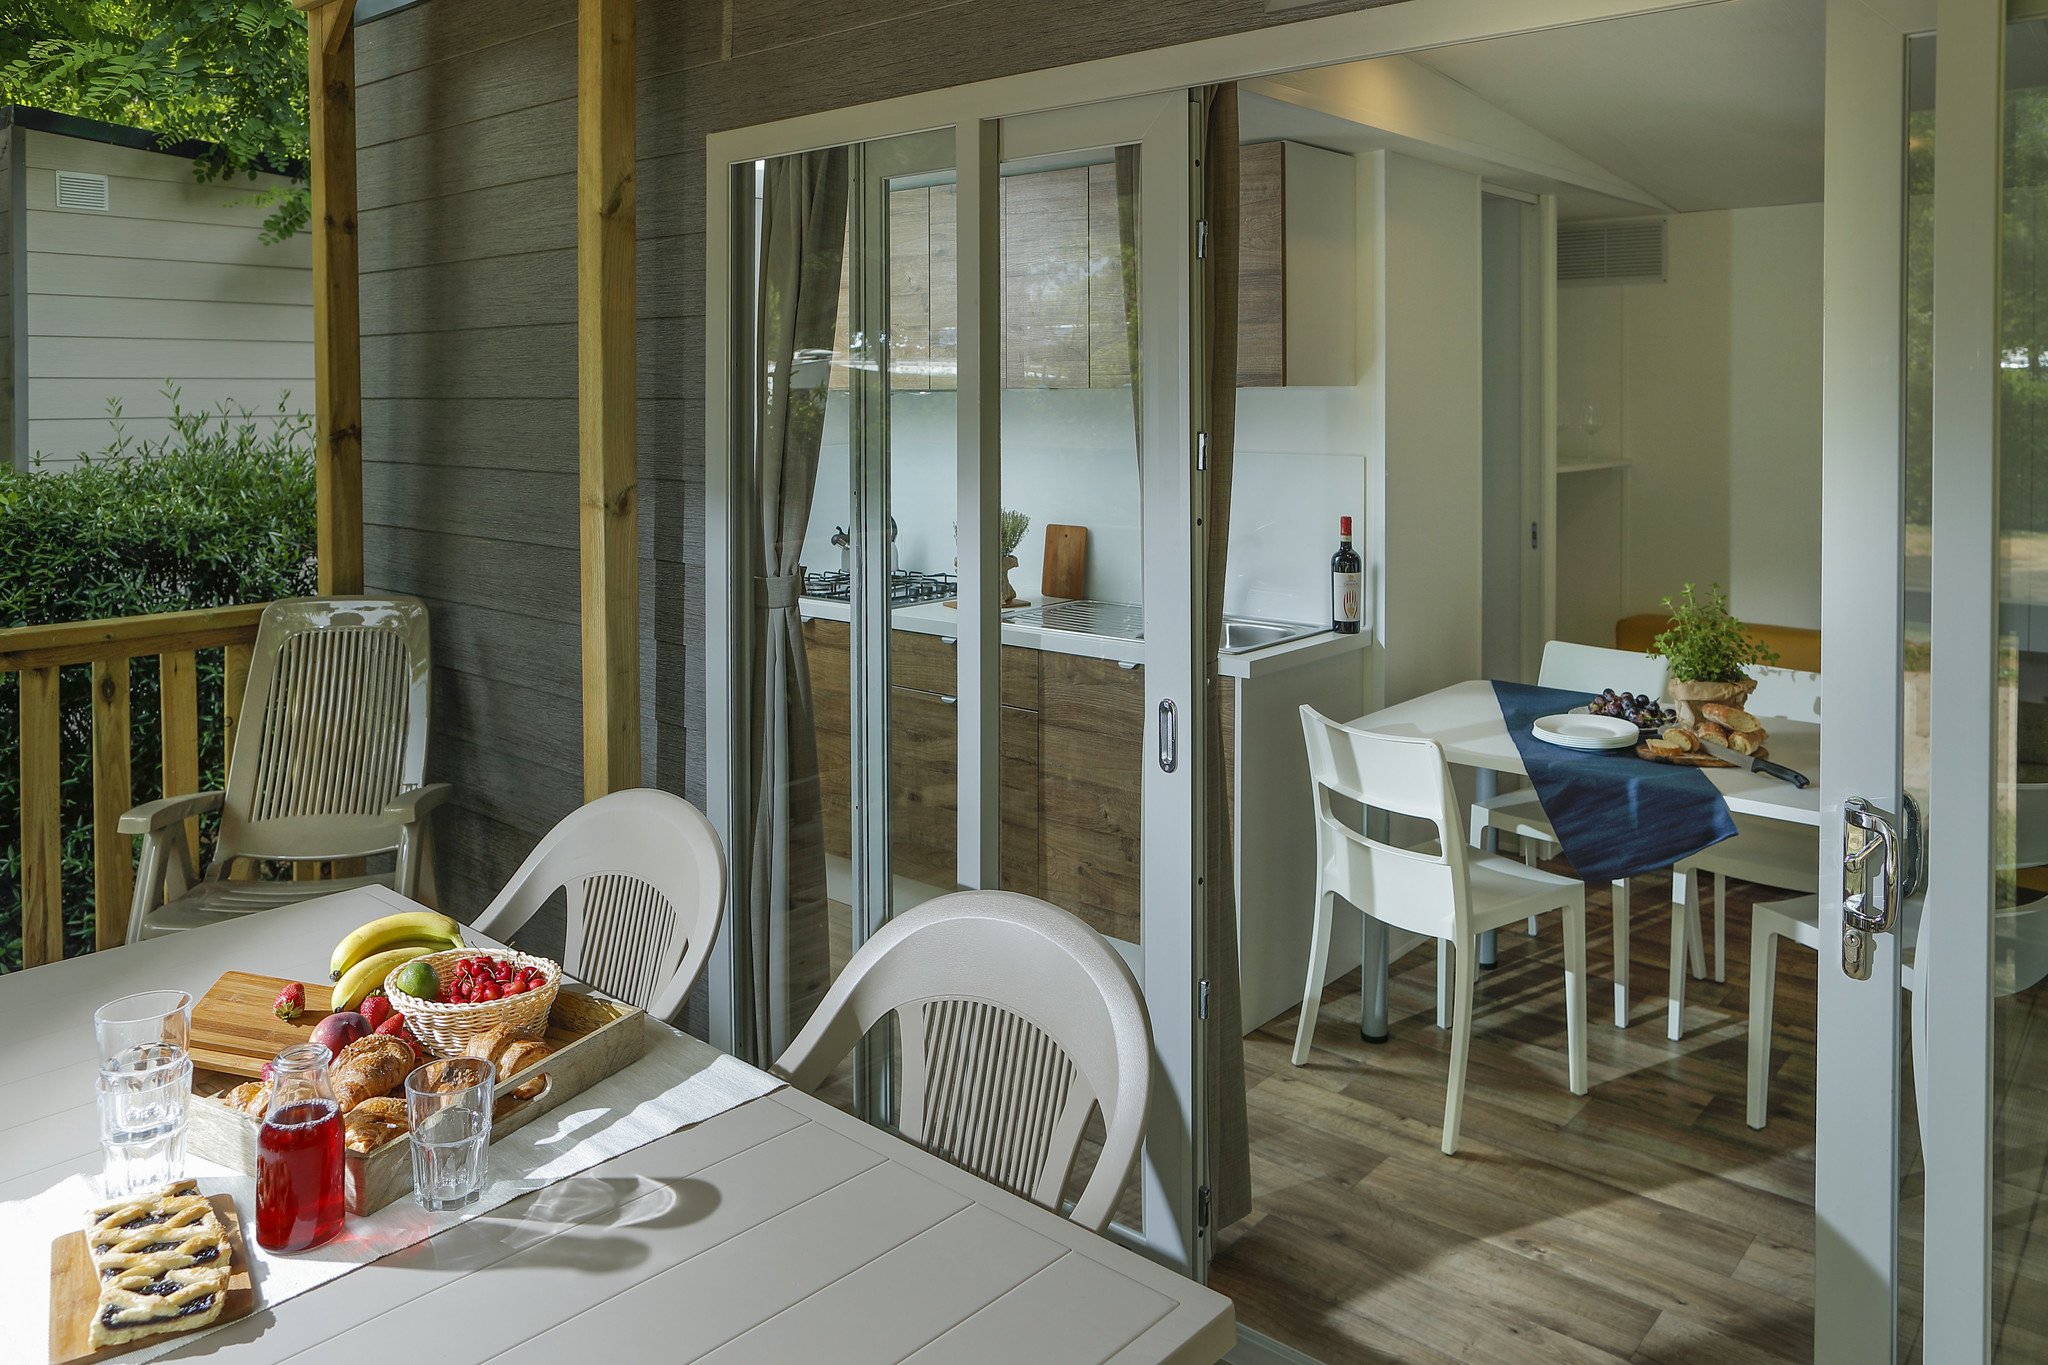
point(1297, 299)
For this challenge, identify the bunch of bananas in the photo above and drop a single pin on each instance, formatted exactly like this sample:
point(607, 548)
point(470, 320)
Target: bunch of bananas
point(362, 960)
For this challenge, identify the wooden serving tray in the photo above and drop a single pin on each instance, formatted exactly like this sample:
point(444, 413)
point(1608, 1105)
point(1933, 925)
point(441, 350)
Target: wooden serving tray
point(234, 1030)
point(75, 1292)
point(1693, 760)
point(593, 1037)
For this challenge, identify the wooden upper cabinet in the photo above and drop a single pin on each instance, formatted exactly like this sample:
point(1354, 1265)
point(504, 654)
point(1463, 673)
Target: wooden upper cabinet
point(1297, 301)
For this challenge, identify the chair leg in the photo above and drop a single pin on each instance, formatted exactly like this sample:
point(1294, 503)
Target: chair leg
point(1763, 978)
point(1529, 860)
point(1621, 952)
point(1575, 993)
point(1318, 963)
point(1682, 918)
point(1461, 1042)
point(1720, 926)
point(1443, 982)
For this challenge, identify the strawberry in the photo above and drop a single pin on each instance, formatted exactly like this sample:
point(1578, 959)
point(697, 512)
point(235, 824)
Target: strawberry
point(376, 1009)
point(290, 1002)
point(395, 1027)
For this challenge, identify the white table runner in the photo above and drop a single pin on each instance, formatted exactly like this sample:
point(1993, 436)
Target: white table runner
point(679, 1082)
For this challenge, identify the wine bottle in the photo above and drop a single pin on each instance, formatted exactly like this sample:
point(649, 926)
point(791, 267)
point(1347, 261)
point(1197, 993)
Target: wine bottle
point(1347, 583)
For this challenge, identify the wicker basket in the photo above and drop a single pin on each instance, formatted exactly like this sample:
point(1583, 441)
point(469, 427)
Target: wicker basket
point(447, 1026)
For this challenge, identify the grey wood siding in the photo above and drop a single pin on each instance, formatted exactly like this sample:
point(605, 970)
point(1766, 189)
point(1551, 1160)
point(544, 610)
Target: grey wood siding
point(7, 296)
point(170, 286)
point(466, 125)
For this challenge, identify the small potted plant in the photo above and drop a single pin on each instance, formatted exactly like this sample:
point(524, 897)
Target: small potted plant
point(1010, 529)
point(1708, 650)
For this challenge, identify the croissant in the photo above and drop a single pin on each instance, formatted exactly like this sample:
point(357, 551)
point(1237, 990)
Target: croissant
point(510, 1052)
point(369, 1067)
point(375, 1122)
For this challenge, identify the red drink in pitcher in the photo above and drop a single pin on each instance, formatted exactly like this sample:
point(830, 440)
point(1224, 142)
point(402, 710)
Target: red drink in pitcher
point(300, 1185)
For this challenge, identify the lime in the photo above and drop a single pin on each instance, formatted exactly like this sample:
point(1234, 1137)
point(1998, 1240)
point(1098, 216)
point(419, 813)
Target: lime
point(417, 980)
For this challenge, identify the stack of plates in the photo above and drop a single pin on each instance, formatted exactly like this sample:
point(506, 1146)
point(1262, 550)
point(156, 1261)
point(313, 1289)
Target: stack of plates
point(1587, 732)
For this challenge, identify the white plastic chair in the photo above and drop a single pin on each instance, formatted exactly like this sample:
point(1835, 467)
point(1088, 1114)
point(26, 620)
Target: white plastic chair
point(1016, 1021)
point(1584, 668)
point(328, 763)
point(644, 876)
point(1446, 892)
point(1768, 852)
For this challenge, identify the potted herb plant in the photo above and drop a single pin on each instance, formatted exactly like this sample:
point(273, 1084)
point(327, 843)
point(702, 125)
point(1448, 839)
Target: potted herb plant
point(1010, 529)
point(1709, 651)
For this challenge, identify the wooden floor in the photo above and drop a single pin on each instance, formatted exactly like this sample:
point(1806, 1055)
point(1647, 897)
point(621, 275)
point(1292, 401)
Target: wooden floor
point(1644, 1221)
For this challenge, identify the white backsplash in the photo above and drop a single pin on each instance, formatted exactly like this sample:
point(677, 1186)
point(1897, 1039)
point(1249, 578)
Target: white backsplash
point(1068, 457)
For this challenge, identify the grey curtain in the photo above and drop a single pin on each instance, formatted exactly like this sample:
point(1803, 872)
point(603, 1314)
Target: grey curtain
point(782, 939)
point(1230, 1179)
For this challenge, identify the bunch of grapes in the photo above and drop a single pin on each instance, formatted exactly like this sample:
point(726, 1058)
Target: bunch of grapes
point(1635, 708)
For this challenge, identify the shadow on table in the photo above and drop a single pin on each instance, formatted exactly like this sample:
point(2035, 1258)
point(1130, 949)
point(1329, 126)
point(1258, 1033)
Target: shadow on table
point(565, 1225)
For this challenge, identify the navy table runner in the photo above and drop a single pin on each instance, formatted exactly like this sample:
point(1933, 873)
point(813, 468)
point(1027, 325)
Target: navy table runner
point(1616, 815)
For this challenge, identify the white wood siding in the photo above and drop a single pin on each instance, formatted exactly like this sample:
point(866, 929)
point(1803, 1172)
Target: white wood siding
point(171, 286)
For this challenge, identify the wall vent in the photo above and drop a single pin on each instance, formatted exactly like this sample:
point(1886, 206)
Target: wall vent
point(82, 192)
point(1605, 253)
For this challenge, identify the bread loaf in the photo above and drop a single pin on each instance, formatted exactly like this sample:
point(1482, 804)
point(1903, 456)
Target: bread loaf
point(1747, 743)
point(1664, 748)
point(369, 1067)
point(1686, 741)
point(1710, 730)
point(1735, 718)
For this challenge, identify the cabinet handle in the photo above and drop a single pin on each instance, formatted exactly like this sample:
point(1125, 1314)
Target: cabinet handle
point(949, 701)
point(1128, 666)
point(1169, 737)
point(949, 639)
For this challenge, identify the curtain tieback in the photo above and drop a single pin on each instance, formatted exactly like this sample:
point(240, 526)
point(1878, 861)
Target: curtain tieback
point(780, 592)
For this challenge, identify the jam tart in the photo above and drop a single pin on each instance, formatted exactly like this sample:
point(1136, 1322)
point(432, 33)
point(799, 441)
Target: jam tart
point(162, 1262)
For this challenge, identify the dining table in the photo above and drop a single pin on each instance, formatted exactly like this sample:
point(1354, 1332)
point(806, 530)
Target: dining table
point(1465, 721)
point(782, 1229)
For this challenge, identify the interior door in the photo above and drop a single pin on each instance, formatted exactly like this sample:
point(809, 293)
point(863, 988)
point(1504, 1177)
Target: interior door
point(1910, 618)
point(1100, 748)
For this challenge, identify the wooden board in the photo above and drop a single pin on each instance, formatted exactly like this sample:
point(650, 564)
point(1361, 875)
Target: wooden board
point(1694, 760)
point(233, 1029)
point(1066, 562)
point(75, 1293)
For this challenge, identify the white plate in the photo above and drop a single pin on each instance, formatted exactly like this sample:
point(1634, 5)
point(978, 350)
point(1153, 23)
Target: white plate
point(1587, 732)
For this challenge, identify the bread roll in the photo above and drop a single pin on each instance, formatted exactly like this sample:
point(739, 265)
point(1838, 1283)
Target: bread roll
point(1735, 718)
point(369, 1067)
point(251, 1097)
point(516, 1058)
point(371, 1124)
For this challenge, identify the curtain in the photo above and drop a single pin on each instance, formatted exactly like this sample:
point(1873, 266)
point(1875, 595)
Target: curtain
point(1230, 1180)
point(782, 940)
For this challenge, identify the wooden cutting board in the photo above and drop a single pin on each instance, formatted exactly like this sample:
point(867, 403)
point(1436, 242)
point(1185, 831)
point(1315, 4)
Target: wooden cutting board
point(1700, 760)
point(75, 1291)
point(234, 1031)
point(1066, 562)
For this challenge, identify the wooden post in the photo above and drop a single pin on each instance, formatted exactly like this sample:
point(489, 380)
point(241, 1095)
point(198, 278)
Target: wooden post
point(178, 696)
point(42, 837)
point(337, 323)
point(607, 426)
point(113, 853)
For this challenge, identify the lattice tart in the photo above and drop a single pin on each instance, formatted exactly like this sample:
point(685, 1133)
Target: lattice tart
point(162, 1262)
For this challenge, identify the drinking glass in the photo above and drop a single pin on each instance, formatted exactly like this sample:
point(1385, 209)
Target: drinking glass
point(141, 1019)
point(143, 1096)
point(448, 1105)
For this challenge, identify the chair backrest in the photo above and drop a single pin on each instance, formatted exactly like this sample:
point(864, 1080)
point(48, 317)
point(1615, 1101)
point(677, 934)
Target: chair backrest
point(1785, 693)
point(1589, 668)
point(1422, 890)
point(333, 725)
point(644, 876)
point(1017, 1019)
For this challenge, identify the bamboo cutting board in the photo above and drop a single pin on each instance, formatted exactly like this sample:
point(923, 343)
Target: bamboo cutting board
point(233, 1029)
point(75, 1291)
point(1066, 562)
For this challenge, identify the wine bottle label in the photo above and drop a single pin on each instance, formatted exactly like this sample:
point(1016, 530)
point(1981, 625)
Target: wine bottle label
point(1346, 596)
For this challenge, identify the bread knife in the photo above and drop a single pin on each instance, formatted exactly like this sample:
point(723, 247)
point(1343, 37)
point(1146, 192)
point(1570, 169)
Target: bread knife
point(1755, 764)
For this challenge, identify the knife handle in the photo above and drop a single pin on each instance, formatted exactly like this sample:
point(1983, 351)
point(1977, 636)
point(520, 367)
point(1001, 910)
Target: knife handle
point(1782, 773)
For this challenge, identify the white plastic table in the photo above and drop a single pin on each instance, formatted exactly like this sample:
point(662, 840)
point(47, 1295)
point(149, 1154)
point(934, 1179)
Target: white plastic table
point(782, 1230)
point(1465, 719)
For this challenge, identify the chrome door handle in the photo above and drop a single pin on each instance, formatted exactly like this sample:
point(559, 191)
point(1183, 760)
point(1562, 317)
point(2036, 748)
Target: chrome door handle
point(1871, 887)
point(1169, 737)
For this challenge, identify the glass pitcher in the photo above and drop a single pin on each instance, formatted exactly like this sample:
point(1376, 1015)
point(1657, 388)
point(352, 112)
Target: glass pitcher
point(300, 1196)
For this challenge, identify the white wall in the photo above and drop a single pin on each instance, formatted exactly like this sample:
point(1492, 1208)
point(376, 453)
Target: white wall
point(171, 284)
point(1709, 385)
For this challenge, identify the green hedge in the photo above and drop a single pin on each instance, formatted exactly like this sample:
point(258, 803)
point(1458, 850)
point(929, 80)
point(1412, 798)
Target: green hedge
point(218, 512)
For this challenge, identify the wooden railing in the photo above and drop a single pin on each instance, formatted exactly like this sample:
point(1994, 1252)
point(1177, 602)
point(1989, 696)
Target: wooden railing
point(37, 653)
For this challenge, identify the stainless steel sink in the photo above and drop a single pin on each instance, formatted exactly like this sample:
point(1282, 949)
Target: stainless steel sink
point(1242, 635)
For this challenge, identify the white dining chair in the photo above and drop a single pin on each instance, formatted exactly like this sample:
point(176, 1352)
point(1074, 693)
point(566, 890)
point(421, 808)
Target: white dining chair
point(1441, 890)
point(1016, 1021)
point(644, 877)
point(329, 764)
point(1769, 852)
point(1584, 668)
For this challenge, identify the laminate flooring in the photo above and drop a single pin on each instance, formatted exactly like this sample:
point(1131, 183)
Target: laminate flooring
point(1644, 1221)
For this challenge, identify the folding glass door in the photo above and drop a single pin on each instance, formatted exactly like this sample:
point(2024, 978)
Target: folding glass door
point(962, 571)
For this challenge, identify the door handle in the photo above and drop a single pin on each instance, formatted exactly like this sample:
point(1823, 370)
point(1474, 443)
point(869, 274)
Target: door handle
point(1871, 886)
point(1169, 737)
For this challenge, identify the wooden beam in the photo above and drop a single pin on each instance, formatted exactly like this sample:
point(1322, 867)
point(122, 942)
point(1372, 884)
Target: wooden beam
point(178, 698)
point(113, 853)
point(607, 425)
point(337, 324)
point(121, 637)
point(42, 830)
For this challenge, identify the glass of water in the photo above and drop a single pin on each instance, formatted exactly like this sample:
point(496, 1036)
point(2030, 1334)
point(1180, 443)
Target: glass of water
point(137, 1020)
point(143, 1095)
point(448, 1104)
